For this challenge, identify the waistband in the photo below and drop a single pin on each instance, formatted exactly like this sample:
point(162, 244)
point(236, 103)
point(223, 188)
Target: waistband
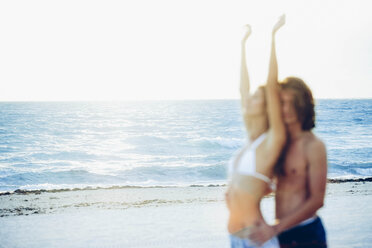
point(303, 223)
point(308, 221)
point(242, 233)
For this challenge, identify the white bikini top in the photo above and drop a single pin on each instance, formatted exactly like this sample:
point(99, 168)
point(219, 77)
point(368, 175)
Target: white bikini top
point(244, 161)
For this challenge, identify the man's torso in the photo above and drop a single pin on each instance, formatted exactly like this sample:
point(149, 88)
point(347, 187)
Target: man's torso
point(292, 189)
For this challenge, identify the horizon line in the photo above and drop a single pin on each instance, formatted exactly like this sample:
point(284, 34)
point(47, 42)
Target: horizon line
point(160, 100)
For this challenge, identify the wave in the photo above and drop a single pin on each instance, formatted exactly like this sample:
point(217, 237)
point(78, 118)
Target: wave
point(220, 142)
point(67, 188)
point(186, 174)
point(53, 178)
point(351, 169)
point(202, 142)
point(139, 176)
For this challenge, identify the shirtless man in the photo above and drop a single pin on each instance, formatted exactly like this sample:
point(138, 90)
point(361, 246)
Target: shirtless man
point(301, 174)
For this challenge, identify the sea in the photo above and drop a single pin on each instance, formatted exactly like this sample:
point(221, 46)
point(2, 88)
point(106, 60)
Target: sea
point(75, 145)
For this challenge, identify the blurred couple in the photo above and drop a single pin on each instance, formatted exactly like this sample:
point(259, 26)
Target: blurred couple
point(281, 155)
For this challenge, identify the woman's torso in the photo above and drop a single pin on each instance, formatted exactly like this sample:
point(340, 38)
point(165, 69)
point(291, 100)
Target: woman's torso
point(248, 184)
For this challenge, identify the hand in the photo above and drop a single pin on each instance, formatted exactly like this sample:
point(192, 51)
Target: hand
point(279, 24)
point(247, 32)
point(261, 233)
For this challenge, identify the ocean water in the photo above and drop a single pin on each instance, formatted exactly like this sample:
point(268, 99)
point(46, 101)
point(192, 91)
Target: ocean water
point(55, 145)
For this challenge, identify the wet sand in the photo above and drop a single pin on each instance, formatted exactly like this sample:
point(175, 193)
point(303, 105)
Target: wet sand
point(160, 217)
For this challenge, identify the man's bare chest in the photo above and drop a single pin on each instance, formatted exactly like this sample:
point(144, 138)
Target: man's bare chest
point(295, 162)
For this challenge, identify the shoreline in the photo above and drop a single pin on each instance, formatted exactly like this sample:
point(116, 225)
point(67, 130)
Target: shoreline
point(39, 191)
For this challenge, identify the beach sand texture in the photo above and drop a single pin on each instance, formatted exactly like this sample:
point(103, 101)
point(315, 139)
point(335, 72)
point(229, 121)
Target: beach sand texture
point(160, 217)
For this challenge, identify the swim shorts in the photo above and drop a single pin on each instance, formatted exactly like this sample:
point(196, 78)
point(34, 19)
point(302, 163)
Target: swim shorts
point(303, 236)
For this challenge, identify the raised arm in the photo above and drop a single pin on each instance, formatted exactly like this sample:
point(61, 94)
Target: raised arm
point(244, 78)
point(277, 128)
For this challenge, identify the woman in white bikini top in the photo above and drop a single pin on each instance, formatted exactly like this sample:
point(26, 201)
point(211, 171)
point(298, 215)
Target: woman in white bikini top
point(244, 162)
point(251, 169)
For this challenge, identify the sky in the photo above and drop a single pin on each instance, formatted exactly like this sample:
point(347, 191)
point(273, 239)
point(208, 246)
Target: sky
point(174, 50)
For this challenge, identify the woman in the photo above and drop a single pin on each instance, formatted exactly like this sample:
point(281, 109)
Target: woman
point(251, 169)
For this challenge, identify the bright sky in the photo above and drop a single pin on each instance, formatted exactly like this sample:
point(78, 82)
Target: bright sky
point(168, 49)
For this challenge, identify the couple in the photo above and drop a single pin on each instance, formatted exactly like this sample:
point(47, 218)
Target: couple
point(278, 118)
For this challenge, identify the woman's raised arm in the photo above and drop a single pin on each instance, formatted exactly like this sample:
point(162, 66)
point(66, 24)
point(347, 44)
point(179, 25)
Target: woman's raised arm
point(277, 128)
point(244, 78)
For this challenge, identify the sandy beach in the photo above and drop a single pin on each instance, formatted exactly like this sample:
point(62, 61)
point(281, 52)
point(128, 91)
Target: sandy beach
point(160, 217)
